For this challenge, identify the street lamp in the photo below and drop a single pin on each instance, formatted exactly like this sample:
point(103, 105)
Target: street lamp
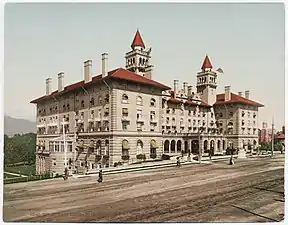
point(65, 151)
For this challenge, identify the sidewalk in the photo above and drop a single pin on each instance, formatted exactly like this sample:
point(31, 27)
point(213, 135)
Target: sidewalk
point(152, 165)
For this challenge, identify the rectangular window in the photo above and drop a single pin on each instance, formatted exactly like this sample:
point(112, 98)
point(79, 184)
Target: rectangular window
point(125, 112)
point(139, 114)
point(152, 115)
point(124, 126)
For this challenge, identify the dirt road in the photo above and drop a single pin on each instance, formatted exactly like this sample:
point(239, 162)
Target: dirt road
point(252, 190)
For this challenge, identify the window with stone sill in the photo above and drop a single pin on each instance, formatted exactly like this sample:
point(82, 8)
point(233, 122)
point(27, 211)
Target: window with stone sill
point(139, 100)
point(204, 114)
point(168, 111)
point(124, 125)
point(152, 115)
point(230, 113)
point(92, 102)
point(82, 104)
point(124, 112)
point(248, 114)
point(107, 98)
point(167, 120)
point(124, 99)
point(254, 115)
point(153, 102)
point(243, 123)
point(173, 111)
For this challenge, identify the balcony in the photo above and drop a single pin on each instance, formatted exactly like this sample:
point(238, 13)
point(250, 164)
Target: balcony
point(140, 120)
point(105, 118)
point(40, 125)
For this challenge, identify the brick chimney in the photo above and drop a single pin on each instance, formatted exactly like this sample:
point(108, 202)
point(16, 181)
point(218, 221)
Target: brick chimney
point(185, 88)
point(87, 71)
point(60, 81)
point(176, 87)
point(104, 64)
point(48, 86)
point(247, 94)
point(240, 93)
point(227, 93)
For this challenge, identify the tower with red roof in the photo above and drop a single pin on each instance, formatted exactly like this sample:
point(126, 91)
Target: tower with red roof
point(206, 82)
point(138, 59)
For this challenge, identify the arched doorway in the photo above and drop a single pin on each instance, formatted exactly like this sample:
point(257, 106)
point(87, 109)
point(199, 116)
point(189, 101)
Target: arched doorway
point(223, 145)
point(212, 147)
point(166, 146)
point(172, 148)
point(218, 145)
point(195, 147)
point(186, 147)
point(179, 146)
point(205, 146)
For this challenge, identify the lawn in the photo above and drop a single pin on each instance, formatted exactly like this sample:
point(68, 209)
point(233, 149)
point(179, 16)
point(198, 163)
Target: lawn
point(23, 169)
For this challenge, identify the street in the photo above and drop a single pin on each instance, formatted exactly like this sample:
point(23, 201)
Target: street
point(252, 190)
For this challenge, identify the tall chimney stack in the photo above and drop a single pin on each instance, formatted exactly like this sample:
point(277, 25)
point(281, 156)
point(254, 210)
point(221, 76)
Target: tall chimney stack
point(189, 91)
point(48, 86)
point(60, 81)
point(185, 88)
point(247, 94)
point(87, 71)
point(176, 86)
point(227, 93)
point(240, 93)
point(104, 64)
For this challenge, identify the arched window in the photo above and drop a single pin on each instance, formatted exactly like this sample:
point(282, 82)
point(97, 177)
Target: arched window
point(82, 103)
point(125, 150)
point(172, 146)
point(223, 145)
point(166, 146)
point(179, 146)
point(205, 145)
point(139, 100)
point(98, 147)
point(139, 145)
point(153, 102)
point(218, 145)
point(124, 98)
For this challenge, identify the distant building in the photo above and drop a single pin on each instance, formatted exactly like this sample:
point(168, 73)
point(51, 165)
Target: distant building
point(122, 114)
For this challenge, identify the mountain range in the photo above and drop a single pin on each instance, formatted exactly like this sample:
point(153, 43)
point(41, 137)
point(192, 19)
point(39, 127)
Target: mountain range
point(18, 126)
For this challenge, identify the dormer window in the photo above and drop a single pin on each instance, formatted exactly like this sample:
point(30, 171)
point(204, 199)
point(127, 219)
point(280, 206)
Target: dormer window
point(124, 98)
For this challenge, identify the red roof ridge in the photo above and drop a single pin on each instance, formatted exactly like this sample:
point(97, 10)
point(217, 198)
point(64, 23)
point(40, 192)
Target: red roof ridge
point(119, 73)
point(206, 63)
point(137, 41)
point(220, 99)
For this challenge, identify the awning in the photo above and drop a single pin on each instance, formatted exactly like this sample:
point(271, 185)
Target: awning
point(125, 144)
point(153, 144)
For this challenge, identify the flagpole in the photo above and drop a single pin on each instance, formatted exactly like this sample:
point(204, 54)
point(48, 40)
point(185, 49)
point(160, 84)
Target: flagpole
point(272, 149)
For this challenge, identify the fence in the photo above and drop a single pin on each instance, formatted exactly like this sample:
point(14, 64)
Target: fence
point(28, 178)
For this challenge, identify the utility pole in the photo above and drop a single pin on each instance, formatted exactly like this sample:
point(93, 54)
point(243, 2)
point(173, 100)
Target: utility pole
point(272, 149)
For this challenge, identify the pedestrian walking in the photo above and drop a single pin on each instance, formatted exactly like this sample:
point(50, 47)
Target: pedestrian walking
point(178, 162)
point(100, 176)
point(210, 155)
point(231, 161)
point(65, 176)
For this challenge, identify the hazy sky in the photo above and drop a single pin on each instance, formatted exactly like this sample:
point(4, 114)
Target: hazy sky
point(245, 40)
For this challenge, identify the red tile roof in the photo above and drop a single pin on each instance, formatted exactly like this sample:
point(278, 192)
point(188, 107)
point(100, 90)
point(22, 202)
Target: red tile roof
point(206, 64)
point(119, 73)
point(174, 100)
point(220, 99)
point(137, 40)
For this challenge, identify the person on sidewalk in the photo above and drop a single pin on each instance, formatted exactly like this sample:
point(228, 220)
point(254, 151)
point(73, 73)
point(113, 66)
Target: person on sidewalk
point(210, 155)
point(231, 161)
point(100, 176)
point(65, 176)
point(178, 162)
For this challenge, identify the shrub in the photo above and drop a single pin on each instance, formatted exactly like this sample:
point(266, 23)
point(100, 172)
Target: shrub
point(141, 156)
point(165, 157)
point(153, 156)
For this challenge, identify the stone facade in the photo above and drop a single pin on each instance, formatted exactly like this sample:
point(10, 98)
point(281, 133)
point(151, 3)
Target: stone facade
point(120, 115)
